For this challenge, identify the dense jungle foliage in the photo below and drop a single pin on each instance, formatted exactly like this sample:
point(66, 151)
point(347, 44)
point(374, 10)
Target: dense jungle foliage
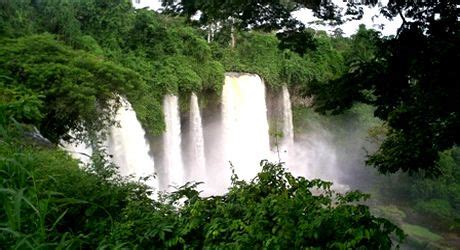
point(64, 66)
point(138, 54)
point(48, 201)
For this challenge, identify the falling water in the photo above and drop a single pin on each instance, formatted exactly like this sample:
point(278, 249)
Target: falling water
point(172, 165)
point(245, 125)
point(78, 150)
point(234, 129)
point(197, 164)
point(287, 142)
point(128, 145)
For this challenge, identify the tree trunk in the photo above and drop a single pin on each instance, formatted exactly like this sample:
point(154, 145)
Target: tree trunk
point(232, 35)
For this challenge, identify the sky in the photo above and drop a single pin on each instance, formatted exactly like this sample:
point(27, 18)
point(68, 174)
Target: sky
point(371, 18)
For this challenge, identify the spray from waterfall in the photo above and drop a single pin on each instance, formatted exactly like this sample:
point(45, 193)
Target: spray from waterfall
point(197, 164)
point(245, 124)
point(172, 159)
point(128, 146)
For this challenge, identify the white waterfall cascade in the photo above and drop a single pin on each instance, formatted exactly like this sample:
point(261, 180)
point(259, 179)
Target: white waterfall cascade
point(287, 142)
point(197, 165)
point(245, 123)
point(172, 162)
point(236, 131)
point(129, 147)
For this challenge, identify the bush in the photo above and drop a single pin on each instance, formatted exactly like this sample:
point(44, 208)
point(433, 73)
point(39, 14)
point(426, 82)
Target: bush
point(49, 202)
point(276, 210)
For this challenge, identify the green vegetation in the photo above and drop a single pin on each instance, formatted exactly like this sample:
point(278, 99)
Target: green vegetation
point(436, 200)
point(358, 115)
point(421, 232)
point(62, 82)
point(49, 202)
point(413, 85)
point(391, 212)
point(138, 54)
point(421, 236)
point(142, 55)
point(65, 64)
point(432, 203)
point(134, 53)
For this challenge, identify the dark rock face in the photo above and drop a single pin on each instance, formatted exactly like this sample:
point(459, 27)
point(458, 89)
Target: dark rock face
point(238, 74)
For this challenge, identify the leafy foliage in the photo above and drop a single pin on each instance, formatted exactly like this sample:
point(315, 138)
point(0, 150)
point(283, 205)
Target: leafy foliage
point(263, 15)
point(15, 16)
point(48, 201)
point(277, 210)
point(439, 198)
point(167, 55)
point(258, 53)
point(149, 56)
point(63, 80)
point(411, 81)
point(21, 104)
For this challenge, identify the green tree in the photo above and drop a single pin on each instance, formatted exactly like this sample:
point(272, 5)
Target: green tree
point(64, 80)
point(15, 16)
point(413, 84)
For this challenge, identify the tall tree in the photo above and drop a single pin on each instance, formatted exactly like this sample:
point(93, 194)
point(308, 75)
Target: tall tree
point(413, 82)
point(265, 15)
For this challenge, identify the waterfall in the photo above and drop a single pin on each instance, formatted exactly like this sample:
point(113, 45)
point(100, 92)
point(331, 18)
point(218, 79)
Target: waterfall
point(128, 146)
point(172, 162)
point(78, 150)
point(245, 126)
point(287, 142)
point(197, 164)
point(234, 128)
